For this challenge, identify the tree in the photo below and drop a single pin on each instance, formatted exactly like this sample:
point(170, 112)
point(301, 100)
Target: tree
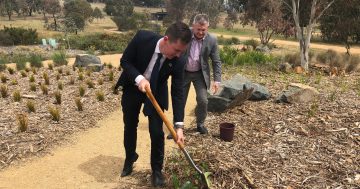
point(267, 17)
point(341, 23)
point(122, 12)
point(178, 10)
point(306, 14)
point(97, 14)
point(52, 7)
point(79, 11)
point(8, 7)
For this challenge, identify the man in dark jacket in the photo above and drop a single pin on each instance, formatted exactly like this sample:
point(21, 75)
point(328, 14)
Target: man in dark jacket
point(148, 61)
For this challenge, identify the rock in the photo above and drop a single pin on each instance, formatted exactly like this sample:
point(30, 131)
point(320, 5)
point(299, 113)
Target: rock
point(299, 70)
point(217, 103)
point(29, 96)
point(263, 48)
point(298, 93)
point(89, 61)
point(233, 87)
point(285, 67)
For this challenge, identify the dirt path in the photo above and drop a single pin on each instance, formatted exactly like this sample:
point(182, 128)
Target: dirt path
point(322, 46)
point(92, 159)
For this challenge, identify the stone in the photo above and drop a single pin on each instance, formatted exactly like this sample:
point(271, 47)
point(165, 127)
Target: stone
point(88, 61)
point(298, 93)
point(285, 67)
point(217, 103)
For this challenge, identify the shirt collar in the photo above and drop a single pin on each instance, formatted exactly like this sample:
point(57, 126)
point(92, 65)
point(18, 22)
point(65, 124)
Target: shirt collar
point(157, 48)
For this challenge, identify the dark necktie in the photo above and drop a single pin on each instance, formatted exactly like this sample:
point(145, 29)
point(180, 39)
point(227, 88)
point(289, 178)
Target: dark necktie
point(148, 107)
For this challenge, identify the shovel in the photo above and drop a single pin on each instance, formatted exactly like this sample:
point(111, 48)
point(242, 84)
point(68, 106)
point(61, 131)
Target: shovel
point(204, 175)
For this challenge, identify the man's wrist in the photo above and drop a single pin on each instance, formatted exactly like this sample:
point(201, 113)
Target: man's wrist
point(179, 125)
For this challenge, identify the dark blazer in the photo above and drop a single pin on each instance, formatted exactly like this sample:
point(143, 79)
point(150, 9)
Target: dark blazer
point(134, 62)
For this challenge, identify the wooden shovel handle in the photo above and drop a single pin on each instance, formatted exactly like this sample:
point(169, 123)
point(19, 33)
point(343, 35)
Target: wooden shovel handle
point(168, 124)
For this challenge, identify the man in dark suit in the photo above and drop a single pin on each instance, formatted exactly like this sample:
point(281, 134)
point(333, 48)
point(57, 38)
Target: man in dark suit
point(148, 61)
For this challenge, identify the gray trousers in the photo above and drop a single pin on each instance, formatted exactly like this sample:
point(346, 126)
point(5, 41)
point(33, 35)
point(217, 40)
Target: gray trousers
point(201, 94)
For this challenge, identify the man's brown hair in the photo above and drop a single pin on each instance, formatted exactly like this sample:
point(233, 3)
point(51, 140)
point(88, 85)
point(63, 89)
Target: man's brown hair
point(179, 31)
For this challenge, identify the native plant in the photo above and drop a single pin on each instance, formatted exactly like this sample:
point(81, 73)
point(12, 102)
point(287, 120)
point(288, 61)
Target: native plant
point(44, 89)
point(4, 91)
point(30, 105)
point(57, 95)
point(82, 90)
point(23, 122)
point(79, 104)
point(32, 87)
point(16, 96)
point(100, 96)
point(55, 113)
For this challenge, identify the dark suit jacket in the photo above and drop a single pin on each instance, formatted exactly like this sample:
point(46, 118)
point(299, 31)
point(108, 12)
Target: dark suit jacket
point(134, 62)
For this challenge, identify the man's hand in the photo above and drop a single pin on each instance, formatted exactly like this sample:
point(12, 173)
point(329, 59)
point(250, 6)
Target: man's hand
point(216, 86)
point(143, 84)
point(180, 136)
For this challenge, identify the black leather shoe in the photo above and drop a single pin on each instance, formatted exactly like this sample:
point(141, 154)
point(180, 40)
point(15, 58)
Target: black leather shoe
point(158, 179)
point(128, 166)
point(169, 137)
point(202, 130)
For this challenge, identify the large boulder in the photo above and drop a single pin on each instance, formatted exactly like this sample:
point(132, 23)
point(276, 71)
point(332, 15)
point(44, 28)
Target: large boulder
point(234, 86)
point(88, 61)
point(217, 103)
point(262, 48)
point(298, 93)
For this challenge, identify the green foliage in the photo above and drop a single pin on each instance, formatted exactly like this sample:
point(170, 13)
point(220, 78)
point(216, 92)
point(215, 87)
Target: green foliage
point(97, 13)
point(2, 63)
point(252, 42)
point(35, 61)
point(227, 54)
point(228, 41)
point(30, 105)
point(11, 70)
point(55, 113)
point(18, 36)
point(57, 95)
point(16, 96)
point(79, 104)
point(32, 87)
point(4, 91)
point(100, 96)
point(23, 122)
point(59, 58)
point(82, 90)
point(44, 89)
point(79, 11)
point(20, 61)
point(103, 42)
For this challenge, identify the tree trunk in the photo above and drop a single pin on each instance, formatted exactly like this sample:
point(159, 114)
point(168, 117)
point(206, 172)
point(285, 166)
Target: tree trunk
point(55, 24)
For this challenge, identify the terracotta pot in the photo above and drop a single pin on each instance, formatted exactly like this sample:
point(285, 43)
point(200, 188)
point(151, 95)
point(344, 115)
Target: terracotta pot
point(227, 131)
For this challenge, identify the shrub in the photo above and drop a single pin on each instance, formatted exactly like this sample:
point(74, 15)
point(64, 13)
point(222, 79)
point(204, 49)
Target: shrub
point(111, 76)
point(3, 78)
point(18, 36)
point(23, 73)
point(252, 42)
point(27, 69)
point(35, 61)
point(55, 113)
point(32, 87)
point(4, 91)
point(2, 64)
point(23, 122)
point(228, 41)
point(14, 82)
point(79, 104)
point(60, 70)
point(353, 63)
point(11, 70)
point(72, 81)
point(82, 90)
point(110, 66)
point(100, 81)
point(293, 59)
point(102, 42)
point(32, 78)
point(251, 58)
point(30, 105)
point(16, 96)
point(90, 83)
point(57, 95)
point(332, 58)
point(50, 66)
point(59, 58)
point(20, 62)
point(81, 77)
point(60, 85)
point(44, 89)
point(227, 54)
point(100, 96)
point(34, 70)
point(46, 78)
